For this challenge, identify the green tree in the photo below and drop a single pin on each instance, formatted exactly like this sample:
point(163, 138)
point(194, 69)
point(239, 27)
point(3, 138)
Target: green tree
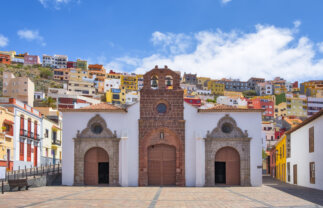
point(49, 102)
point(249, 93)
point(45, 73)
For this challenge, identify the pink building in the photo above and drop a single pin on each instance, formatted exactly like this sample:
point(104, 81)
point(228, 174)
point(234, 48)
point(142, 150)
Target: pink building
point(31, 59)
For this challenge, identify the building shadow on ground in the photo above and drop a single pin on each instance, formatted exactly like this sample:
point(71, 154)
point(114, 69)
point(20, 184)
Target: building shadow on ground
point(308, 194)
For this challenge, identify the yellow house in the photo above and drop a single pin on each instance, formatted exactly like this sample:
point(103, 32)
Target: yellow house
point(6, 138)
point(130, 82)
point(52, 136)
point(233, 94)
point(78, 75)
point(279, 89)
point(202, 82)
point(281, 159)
point(10, 53)
point(116, 96)
point(52, 142)
point(281, 110)
point(216, 88)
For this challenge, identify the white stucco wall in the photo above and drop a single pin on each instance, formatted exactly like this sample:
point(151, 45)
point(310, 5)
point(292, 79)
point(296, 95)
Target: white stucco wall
point(197, 125)
point(125, 124)
point(301, 156)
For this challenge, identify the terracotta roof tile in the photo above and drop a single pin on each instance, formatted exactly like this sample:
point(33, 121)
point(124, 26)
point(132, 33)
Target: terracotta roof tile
point(100, 107)
point(228, 108)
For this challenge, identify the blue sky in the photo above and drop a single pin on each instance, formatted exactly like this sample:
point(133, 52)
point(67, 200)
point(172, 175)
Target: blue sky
point(217, 38)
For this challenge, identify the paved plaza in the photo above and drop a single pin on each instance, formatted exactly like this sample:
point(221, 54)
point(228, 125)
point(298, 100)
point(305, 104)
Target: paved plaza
point(271, 194)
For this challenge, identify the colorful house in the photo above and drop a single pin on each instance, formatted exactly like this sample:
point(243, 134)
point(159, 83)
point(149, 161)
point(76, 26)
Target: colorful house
point(296, 105)
point(31, 59)
point(82, 64)
point(130, 82)
point(5, 59)
point(195, 101)
point(280, 149)
point(27, 133)
point(215, 87)
point(62, 74)
point(116, 96)
point(272, 161)
point(6, 138)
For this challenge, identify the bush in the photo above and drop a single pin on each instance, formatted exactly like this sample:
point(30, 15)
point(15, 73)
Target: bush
point(249, 93)
point(45, 73)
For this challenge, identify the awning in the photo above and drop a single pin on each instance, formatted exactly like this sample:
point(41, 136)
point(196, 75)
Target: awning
point(56, 127)
point(8, 122)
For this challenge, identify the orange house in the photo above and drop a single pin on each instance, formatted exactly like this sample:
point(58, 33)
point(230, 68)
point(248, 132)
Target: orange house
point(98, 71)
point(61, 74)
point(5, 59)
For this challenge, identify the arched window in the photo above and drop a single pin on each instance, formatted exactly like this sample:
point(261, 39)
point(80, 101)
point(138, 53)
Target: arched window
point(154, 82)
point(169, 82)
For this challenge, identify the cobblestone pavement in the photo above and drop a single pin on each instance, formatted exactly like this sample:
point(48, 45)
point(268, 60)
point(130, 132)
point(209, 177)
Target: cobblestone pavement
point(271, 194)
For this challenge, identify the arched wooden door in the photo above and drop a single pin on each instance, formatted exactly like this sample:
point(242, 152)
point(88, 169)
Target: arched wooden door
point(161, 165)
point(227, 166)
point(96, 167)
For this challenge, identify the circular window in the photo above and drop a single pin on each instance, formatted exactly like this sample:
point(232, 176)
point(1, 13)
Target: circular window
point(96, 128)
point(226, 128)
point(161, 108)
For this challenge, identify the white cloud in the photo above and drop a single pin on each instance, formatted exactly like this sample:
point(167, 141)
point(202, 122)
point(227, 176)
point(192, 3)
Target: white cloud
point(31, 35)
point(56, 4)
point(320, 47)
point(170, 42)
point(3, 41)
point(297, 23)
point(225, 1)
point(267, 52)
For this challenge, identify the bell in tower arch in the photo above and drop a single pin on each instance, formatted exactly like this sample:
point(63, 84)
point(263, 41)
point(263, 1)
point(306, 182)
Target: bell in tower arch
point(154, 82)
point(169, 82)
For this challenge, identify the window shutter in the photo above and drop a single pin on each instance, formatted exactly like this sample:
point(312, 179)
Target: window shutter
point(311, 139)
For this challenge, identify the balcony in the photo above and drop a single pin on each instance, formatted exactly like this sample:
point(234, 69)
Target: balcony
point(31, 135)
point(37, 137)
point(23, 133)
point(56, 142)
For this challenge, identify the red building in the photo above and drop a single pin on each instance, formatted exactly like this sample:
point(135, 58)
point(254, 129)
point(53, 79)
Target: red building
point(193, 101)
point(267, 105)
point(71, 64)
point(279, 133)
point(5, 59)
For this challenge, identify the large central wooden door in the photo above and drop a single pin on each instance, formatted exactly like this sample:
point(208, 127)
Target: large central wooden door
point(161, 165)
point(231, 158)
point(92, 159)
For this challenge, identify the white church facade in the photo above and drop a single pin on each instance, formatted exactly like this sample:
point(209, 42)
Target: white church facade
point(161, 141)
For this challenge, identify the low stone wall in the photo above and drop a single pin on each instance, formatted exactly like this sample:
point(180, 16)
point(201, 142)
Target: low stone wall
point(38, 181)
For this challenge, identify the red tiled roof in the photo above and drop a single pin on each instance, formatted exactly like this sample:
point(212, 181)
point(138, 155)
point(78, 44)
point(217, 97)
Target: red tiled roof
point(100, 107)
point(228, 108)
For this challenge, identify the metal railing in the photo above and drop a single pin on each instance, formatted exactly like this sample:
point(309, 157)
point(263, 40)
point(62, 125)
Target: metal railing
point(31, 172)
point(23, 132)
point(56, 142)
